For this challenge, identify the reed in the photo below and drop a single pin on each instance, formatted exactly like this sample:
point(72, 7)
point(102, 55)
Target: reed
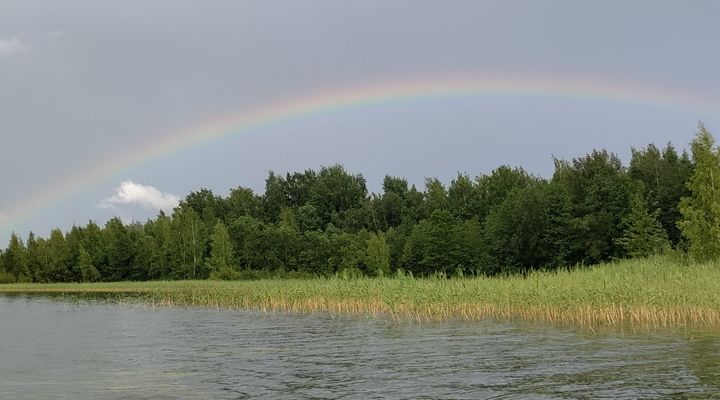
point(652, 292)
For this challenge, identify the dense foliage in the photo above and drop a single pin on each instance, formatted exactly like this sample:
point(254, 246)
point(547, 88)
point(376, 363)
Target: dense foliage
point(325, 222)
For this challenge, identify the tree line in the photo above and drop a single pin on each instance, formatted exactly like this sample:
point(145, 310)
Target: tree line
point(319, 223)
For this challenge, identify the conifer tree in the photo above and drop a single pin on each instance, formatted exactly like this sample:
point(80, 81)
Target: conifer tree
point(664, 175)
point(15, 259)
point(644, 235)
point(700, 223)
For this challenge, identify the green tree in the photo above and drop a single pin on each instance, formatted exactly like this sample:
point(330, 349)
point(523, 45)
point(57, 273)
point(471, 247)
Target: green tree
point(275, 197)
point(5, 277)
point(664, 176)
point(435, 246)
point(221, 254)
point(190, 243)
point(15, 259)
point(598, 188)
point(308, 219)
point(396, 239)
point(60, 257)
point(315, 253)
point(93, 242)
point(436, 198)
point(117, 249)
point(378, 254)
point(390, 208)
point(516, 231)
point(336, 191)
point(73, 241)
point(414, 209)
point(88, 272)
point(208, 206)
point(298, 187)
point(161, 233)
point(560, 229)
point(246, 236)
point(145, 253)
point(35, 257)
point(700, 223)
point(284, 239)
point(355, 219)
point(644, 235)
point(492, 189)
point(242, 202)
point(348, 252)
point(462, 197)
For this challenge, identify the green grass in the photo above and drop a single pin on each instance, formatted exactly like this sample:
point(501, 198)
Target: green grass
point(657, 292)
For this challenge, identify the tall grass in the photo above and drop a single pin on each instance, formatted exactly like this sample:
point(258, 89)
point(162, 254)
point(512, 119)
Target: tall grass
point(657, 291)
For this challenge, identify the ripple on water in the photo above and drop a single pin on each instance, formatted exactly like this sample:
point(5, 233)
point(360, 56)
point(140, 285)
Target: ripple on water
point(86, 350)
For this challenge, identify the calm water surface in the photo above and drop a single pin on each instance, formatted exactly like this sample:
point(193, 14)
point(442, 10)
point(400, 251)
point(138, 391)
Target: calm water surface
point(58, 349)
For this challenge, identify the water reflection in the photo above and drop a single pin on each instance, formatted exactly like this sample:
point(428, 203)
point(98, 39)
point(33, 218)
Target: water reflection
point(80, 349)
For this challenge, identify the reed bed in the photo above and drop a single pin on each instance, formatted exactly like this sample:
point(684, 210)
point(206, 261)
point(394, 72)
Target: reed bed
point(653, 292)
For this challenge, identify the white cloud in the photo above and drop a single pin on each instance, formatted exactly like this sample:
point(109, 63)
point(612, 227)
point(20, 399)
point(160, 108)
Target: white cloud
point(3, 219)
point(148, 197)
point(12, 46)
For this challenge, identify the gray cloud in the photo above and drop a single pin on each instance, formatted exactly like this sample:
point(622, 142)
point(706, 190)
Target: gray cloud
point(148, 197)
point(12, 46)
point(103, 80)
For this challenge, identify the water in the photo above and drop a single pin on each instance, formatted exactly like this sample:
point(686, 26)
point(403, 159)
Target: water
point(58, 349)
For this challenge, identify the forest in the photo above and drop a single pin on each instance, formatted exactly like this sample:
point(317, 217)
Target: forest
point(320, 223)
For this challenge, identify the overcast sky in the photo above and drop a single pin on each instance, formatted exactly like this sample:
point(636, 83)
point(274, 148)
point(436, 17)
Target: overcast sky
point(83, 82)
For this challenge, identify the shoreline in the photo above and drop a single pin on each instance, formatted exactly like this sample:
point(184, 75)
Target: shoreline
point(654, 292)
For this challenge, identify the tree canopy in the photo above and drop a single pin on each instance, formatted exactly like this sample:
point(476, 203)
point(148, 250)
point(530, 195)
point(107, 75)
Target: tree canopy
point(592, 209)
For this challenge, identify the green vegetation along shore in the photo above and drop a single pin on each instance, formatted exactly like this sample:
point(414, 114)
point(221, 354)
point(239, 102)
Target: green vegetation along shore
point(592, 210)
point(651, 292)
point(505, 244)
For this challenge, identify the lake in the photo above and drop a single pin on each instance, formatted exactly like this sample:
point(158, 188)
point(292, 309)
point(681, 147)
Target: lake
point(54, 348)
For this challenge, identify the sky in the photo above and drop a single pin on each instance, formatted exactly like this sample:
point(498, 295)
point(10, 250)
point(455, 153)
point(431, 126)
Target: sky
point(96, 96)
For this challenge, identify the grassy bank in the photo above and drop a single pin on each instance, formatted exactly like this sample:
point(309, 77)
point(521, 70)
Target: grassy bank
point(648, 292)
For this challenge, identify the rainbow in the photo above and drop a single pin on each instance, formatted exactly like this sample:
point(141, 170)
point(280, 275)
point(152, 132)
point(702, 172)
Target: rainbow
point(353, 97)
